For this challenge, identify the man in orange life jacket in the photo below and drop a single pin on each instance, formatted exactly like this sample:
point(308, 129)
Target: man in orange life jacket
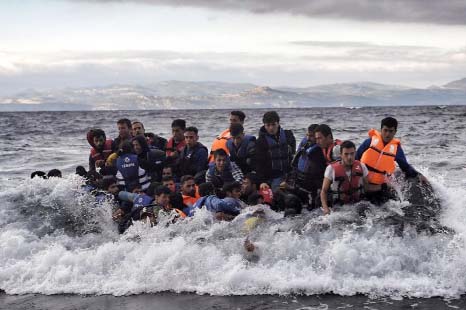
point(220, 142)
point(345, 179)
point(329, 146)
point(379, 153)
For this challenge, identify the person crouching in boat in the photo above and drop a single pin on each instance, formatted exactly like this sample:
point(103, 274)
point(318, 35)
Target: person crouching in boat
point(379, 153)
point(344, 180)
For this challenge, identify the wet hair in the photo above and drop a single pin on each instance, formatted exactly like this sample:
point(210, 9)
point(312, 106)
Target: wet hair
point(206, 189)
point(220, 152)
point(240, 114)
point(186, 178)
point(107, 181)
point(126, 148)
point(124, 121)
point(137, 122)
point(230, 186)
point(81, 171)
point(168, 178)
point(253, 178)
point(176, 201)
point(389, 122)
point(312, 127)
point(270, 117)
point(179, 123)
point(347, 145)
point(162, 190)
point(236, 130)
point(40, 174)
point(324, 129)
point(192, 128)
point(54, 173)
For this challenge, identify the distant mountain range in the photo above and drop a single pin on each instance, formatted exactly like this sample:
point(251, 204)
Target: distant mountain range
point(207, 95)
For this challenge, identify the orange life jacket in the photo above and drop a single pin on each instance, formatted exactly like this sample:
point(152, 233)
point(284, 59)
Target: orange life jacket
point(171, 148)
point(220, 142)
point(180, 213)
point(349, 189)
point(379, 158)
point(328, 151)
point(189, 200)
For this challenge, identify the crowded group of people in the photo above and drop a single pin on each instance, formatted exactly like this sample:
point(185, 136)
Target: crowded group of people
point(147, 177)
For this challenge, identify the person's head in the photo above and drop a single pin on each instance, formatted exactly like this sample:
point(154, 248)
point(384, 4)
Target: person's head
point(137, 128)
point(271, 122)
point(169, 182)
point(187, 185)
point(124, 128)
point(206, 189)
point(388, 129)
point(311, 136)
point(176, 201)
point(98, 138)
point(237, 133)
point(139, 145)
point(81, 171)
point(162, 196)
point(250, 184)
point(232, 189)
point(125, 148)
point(178, 127)
point(324, 136)
point(237, 117)
point(220, 159)
point(39, 174)
point(348, 152)
point(54, 173)
point(191, 137)
point(167, 171)
point(109, 184)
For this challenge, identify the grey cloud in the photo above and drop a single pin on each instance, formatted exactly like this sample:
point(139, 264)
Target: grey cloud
point(451, 12)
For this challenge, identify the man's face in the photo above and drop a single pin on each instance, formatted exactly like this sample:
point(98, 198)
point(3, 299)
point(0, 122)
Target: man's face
point(235, 193)
point(188, 188)
point(99, 142)
point(177, 133)
point(322, 140)
point(191, 138)
point(113, 189)
point(246, 187)
point(311, 137)
point(347, 156)
point(167, 171)
point(137, 147)
point(388, 133)
point(234, 119)
point(238, 139)
point(138, 129)
point(162, 199)
point(170, 185)
point(272, 128)
point(123, 130)
point(220, 162)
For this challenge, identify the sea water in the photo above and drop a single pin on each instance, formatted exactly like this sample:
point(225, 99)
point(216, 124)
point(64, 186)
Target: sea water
point(54, 239)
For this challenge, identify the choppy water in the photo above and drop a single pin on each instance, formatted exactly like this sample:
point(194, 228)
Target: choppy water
point(54, 241)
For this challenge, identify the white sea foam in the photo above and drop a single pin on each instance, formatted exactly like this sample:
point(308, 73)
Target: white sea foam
point(54, 240)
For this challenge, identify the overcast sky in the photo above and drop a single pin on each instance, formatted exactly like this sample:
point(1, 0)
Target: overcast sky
point(56, 44)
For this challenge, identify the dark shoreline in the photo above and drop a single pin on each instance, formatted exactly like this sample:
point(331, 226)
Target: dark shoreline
point(172, 301)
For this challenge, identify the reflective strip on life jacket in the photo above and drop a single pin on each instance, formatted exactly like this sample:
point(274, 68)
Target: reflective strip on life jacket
point(380, 158)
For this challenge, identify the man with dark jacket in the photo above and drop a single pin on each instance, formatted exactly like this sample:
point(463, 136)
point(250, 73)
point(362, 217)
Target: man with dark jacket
point(193, 157)
point(275, 148)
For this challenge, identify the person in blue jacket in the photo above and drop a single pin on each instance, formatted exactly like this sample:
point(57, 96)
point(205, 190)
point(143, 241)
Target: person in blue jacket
point(193, 157)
